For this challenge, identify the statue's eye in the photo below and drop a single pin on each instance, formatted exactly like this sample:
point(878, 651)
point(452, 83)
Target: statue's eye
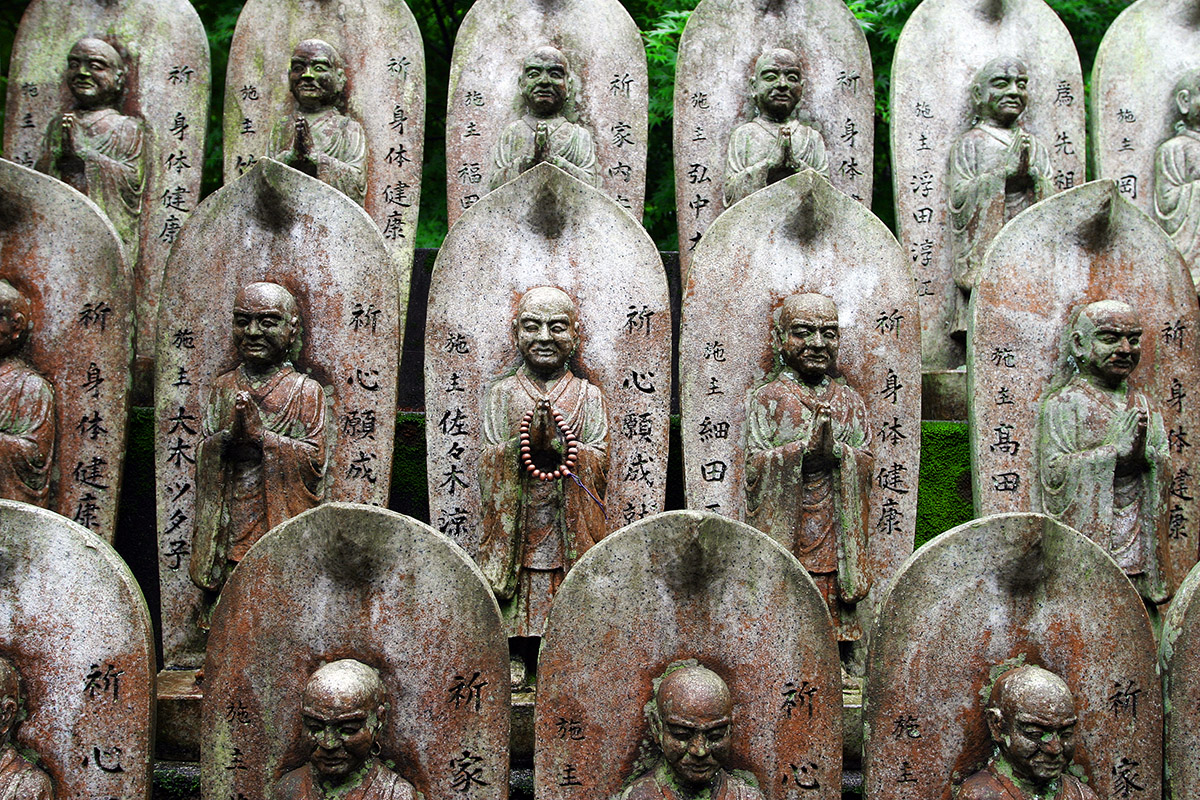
point(717, 734)
point(1134, 341)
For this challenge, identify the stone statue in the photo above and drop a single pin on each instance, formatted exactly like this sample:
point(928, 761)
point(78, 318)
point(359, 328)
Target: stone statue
point(1103, 454)
point(1177, 172)
point(774, 144)
point(26, 409)
point(263, 454)
point(1031, 718)
point(544, 466)
point(691, 722)
point(808, 459)
point(19, 779)
point(321, 140)
point(996, 170)
point(94, 147)
point(344, 706)
point(544, 133)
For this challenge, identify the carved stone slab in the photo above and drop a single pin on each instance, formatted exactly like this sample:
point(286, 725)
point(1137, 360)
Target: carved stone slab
point(1178, 656)
point(1009, 588)
point(1146, 50)
point(274, 224)
point(786, 239)
point(385, 68)
point(167, 86)
point(606, 56)
point(347, 581)
point(58, 250)
point(717, 53)
point(1080, 246)
point(942, 47)
point(548, 229)
point(689, 585)
point(74, 624)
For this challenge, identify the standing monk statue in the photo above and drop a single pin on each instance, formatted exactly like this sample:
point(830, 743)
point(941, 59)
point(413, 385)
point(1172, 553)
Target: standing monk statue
point(544, 133)
point(19, 779)
point(263, 454)
point(996, 170)
point(808, 459)
point(544, 467)
point(1103, 457)
point(26, 409)
point(1177, 173)
point(94, 147)
point(321, 140)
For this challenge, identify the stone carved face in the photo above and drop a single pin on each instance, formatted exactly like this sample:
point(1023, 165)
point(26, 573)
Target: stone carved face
point(317, 78)
point(546, 330)
point(545, 81)
point(1187, 99)
point(343, 710)
point(265, 324)
point(777, 83)
point(1031, 718)
point(15, 320)
point(1001, 91)
point(692, 719)
point(95, 73)
point(1106, 341)
point(808, 335)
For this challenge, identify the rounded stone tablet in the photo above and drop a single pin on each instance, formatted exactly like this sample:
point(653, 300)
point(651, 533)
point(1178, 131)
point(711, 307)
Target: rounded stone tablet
point(1081, 246)
point(1179, 655)
point(74, 626)
point(718, 55)
point(993, 594)
point(65, 389)
point(676, 586)
point(336, 408)
point(354, 582)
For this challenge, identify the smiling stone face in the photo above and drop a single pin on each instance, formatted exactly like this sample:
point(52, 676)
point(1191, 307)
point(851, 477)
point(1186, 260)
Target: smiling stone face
point(343, 711)
point(809, 335)
point(777, 84)
point(1032, 721)
point(545, 330)
point(95, 73)
point(544, 81)
point(1001, 91)
point(264, 324)
point(1106, 342)
point(316, 76)
point(694, 722)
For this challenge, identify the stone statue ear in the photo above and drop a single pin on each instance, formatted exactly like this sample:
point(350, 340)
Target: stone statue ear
point(1183, 100)
point(8, 715)
point(995, 723)
point(1077, 346)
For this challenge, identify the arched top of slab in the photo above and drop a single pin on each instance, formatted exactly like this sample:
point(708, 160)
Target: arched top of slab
point(349, 581)
point(1005, 590)
point(688, 585)
point(69, 607)
point(607, 58)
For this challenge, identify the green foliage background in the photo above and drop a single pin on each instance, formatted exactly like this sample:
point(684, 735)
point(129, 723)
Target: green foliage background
point(661, 23)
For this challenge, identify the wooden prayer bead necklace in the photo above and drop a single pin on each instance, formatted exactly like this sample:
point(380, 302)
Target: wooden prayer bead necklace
point(569, 437)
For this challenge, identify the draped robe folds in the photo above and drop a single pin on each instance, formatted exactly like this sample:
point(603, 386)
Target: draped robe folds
point(242, 493)
point(659, 785)
point(754, 142)
point(980, 203)
point(26, 434)
point(1177, 192)
point(534, 531)
point(1079, 486)
point(820, 516)
point(991, 784)
point(379, 783)
point(20, 780)
point(339, 150)
point(569, 147)
point(108, 166)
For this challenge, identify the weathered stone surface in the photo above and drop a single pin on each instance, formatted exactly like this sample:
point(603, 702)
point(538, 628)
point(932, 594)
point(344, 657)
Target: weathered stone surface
point(1082, 246)
point(75, 626)
point(1147, 50)
point(277, 225)
point(688, 585)
point(1179, 658)
point(940, 52)
point(713, 97)
point(997, 592)
point(65, 390)
point(384, 61)
point(740, 408)
point(167, 87)
point(608, 69)
point(545, 229)
point(345, 581)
